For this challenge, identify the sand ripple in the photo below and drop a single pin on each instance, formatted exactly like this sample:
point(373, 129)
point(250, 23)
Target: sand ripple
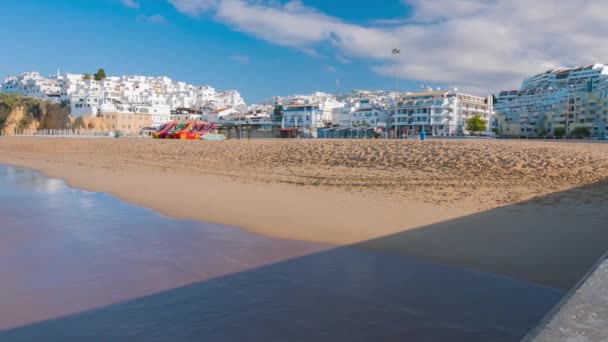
point(484, 172)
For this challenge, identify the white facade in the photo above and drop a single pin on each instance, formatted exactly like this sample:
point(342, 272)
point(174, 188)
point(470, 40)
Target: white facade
point(558, 98)
point(335, 110)
point(368, 117)
point(85, 105)
point(362, 113)
point(161, 114)
point(342, 117)
point(304, 116)
point(33, 85)
point(439, 112)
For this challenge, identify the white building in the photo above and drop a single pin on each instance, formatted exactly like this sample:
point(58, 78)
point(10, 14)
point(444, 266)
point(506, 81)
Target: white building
point(360, 113)
point(219, 114)
point(156, 95)
point(342, 117)
point(31, 84)
point(161, 114)
point(368, 117)
point(89, 104)
point(438, 112)
point(306, 115)
point(557, 98)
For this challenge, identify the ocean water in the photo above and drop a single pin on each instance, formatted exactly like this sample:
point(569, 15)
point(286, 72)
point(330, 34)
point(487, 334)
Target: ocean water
point(82, 266)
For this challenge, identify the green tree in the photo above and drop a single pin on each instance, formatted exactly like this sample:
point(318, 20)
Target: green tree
point(100, 75)
point(559, 132)
point(581, 132)
point(86, 76)
point(476, 124)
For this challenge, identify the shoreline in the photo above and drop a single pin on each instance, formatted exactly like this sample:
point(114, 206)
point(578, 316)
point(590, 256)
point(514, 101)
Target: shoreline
point(245, 210)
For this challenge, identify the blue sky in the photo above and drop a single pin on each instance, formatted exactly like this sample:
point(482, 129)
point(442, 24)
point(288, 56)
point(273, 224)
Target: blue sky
point(265, 48)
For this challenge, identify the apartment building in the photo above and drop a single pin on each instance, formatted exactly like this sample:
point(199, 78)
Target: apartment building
point(558, 98)
point(438, 112)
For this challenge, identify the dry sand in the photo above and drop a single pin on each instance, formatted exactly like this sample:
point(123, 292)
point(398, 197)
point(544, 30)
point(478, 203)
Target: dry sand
point(326, 191)
point(341, 191)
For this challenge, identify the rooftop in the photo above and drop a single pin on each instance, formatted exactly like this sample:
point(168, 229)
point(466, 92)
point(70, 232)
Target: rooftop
point(426, 93)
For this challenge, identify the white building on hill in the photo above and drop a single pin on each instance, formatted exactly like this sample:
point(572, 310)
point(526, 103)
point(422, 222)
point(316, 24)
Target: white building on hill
point(154, 95)
point(32, 84)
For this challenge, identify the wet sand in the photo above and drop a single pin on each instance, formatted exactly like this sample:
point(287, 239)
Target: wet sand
point(64, 250)
point(81, 266)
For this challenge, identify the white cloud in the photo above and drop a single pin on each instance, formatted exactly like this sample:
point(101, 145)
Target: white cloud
point(241, 59)
point(193, 7)
point(331, 68)
point(433, 10)
point(153, 19)
point(310, 52)
point(343, 59)
point(130, 3)
point(481, 45)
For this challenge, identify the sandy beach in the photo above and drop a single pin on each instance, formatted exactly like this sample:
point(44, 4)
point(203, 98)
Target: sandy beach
point(358, 192)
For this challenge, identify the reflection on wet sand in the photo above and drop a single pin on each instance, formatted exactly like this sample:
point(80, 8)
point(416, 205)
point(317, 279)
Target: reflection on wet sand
point(84, 266)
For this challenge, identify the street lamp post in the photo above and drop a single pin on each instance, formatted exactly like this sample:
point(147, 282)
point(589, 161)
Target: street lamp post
point(394, 52)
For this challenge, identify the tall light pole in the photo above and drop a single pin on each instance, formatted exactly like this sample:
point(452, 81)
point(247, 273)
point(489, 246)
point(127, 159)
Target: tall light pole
point(394, 52)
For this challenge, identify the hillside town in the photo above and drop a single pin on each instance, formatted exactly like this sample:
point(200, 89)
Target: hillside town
point(553, 103)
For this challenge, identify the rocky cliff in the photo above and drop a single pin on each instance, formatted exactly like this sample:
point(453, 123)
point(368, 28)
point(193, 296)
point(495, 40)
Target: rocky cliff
point(23, 114)
point(90, 123)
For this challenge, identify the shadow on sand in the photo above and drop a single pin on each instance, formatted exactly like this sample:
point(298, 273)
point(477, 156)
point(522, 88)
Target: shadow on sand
point(491, 276)
point(551, 240)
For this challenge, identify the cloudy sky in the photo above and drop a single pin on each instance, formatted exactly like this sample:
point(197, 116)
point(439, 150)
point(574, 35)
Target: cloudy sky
point(271, 47)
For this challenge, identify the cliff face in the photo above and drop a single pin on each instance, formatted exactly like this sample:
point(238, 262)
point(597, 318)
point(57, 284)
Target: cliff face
point(19, 114)
point(89, 122)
